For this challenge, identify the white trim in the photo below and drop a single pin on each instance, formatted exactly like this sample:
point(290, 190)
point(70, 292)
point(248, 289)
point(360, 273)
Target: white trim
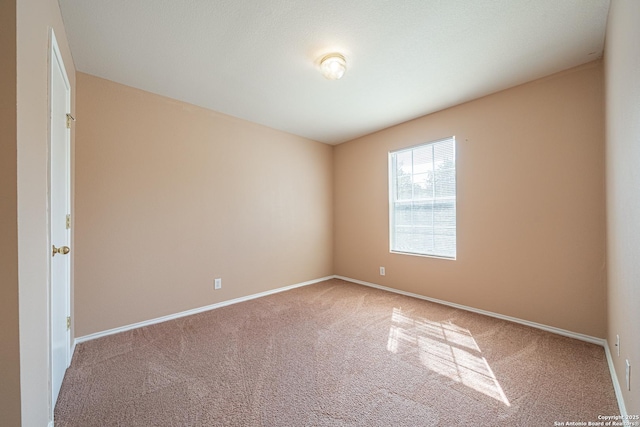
point(616, 383)
point(194, 311)
point(420, 144)
point(552, 329)
point(422, 255)
point(599, 341)
point(73, 349)
point(56, 61)
point(392, 190)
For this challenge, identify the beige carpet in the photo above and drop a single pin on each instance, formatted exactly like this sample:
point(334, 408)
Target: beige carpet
point(335, 354)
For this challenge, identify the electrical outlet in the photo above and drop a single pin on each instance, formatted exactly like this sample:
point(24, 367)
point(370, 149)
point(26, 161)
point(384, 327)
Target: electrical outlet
point(618, 344)
point(217, 283)
point(628, 375)
point(382, 271)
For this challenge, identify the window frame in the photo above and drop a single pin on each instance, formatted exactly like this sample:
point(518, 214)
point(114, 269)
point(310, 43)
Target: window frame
point(392, 194)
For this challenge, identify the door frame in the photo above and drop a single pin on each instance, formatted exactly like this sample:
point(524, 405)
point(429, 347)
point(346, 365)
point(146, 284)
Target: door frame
point(55, 60)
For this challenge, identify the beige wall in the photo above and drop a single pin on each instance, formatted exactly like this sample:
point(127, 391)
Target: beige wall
point(530, 183)
point(622, 68)
point(170, 196)
point(9, 330)
point(34, 20)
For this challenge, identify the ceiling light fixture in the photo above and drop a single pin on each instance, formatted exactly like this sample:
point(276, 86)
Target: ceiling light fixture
point(333, 66)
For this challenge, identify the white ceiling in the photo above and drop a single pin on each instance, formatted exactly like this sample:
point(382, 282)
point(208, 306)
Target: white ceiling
point(258, 59)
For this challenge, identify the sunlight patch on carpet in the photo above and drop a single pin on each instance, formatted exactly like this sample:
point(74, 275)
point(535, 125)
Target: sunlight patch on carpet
point(446, 349)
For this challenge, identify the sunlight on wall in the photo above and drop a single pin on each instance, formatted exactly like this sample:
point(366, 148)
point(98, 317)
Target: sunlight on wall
point(446, 349)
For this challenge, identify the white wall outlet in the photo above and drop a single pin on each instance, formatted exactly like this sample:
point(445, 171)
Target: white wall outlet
point(382, 273)
point(628, 375)
point(618, 344)
point(217, 283)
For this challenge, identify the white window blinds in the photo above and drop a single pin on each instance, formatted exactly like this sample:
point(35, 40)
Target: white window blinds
point(422, 211)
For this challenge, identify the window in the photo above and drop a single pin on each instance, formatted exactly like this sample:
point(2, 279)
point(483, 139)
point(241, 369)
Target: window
point(422, 195)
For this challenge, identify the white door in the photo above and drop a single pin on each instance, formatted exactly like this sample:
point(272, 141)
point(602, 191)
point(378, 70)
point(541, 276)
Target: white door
point(60, 167)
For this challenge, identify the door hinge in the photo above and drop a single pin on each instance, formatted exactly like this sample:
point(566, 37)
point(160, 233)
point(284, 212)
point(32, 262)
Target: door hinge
point(70, 119)
point(68, 322)
point(68, 222)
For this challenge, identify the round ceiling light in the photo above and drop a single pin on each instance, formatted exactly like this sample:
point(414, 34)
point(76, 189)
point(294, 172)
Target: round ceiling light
point(333, 66)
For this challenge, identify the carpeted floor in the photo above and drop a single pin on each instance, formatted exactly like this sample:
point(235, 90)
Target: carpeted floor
point(335, 354)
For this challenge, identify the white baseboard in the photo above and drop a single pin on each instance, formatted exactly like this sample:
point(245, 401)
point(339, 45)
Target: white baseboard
point(616, 383)
point(552, 329)
point(547, 328)
point(73, 350)
point(192, 311)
